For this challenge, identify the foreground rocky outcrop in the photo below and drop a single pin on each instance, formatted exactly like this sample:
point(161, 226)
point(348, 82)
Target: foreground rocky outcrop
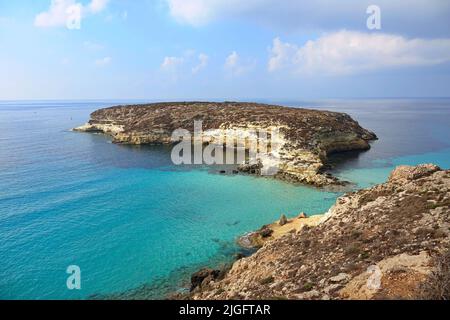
point(306, 137)
point(390, 241)
point(278, 229)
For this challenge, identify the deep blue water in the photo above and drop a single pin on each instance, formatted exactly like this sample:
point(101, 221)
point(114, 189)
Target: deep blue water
point(131, 220)
point(410, 131)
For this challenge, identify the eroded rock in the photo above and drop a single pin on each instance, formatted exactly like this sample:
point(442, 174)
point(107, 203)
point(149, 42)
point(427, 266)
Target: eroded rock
point(203, 276)
point(283, 220)
point(305, 139)
point(407, 173)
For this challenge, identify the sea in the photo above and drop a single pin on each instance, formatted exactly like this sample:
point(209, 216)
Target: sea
point(138, 226)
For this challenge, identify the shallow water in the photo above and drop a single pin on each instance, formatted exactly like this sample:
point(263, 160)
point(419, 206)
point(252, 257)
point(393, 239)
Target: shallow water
point(132, 220)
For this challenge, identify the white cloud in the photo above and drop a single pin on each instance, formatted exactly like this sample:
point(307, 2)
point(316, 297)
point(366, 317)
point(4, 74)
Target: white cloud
point(103, 61)
point(59, 12)
point(171, 63)
point(281, 54)
point(347, 52)
point(195, 12)
point(56, 15)
point(232, 60)
point(318, 14)
point(203, 62)
point(97, 5)
point(234, 65)
point(201, 12)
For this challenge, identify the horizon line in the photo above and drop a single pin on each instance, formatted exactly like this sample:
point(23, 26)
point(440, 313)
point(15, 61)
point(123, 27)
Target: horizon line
point(219, 99)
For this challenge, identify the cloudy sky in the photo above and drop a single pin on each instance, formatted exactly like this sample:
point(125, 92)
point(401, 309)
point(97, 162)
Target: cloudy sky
point(222, 49)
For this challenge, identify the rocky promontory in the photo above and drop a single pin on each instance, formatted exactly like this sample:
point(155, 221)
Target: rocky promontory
point(306, 137)
point(391, 241)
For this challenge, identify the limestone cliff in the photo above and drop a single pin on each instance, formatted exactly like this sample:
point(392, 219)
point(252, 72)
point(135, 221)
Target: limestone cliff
point(389, 241)
point(307, 137)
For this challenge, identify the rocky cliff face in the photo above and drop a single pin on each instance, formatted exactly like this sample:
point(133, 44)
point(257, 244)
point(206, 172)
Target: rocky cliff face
point(377, 243)
point(307, 137)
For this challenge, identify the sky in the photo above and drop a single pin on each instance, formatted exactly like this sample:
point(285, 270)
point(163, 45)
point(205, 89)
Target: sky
point(224, 49)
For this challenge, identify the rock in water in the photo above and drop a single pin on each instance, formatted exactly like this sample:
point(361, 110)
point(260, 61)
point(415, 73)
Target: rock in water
point(283, 220)
point(306, 137)
point(265, 232)
point(303, 215)
point(203, 276)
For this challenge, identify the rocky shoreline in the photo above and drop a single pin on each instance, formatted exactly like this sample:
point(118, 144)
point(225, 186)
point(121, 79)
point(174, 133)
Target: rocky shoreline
point(388, 242)
point(306, 137)
point(278, 229)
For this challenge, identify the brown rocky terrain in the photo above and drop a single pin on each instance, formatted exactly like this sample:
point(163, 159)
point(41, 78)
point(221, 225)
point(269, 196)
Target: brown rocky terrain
point(307, 137)
point(390, 241)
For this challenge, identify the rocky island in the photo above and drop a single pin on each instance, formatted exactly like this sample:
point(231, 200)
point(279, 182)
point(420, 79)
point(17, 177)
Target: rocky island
point(307, 137)
point(388, 242)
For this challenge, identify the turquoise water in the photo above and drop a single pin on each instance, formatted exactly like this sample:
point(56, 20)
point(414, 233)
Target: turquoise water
point(138, 226)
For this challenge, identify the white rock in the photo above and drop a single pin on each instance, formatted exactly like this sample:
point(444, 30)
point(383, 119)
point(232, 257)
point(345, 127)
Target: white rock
point(341, 277)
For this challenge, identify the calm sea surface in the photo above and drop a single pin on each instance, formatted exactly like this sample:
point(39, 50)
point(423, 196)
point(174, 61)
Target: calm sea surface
point(137, 225)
